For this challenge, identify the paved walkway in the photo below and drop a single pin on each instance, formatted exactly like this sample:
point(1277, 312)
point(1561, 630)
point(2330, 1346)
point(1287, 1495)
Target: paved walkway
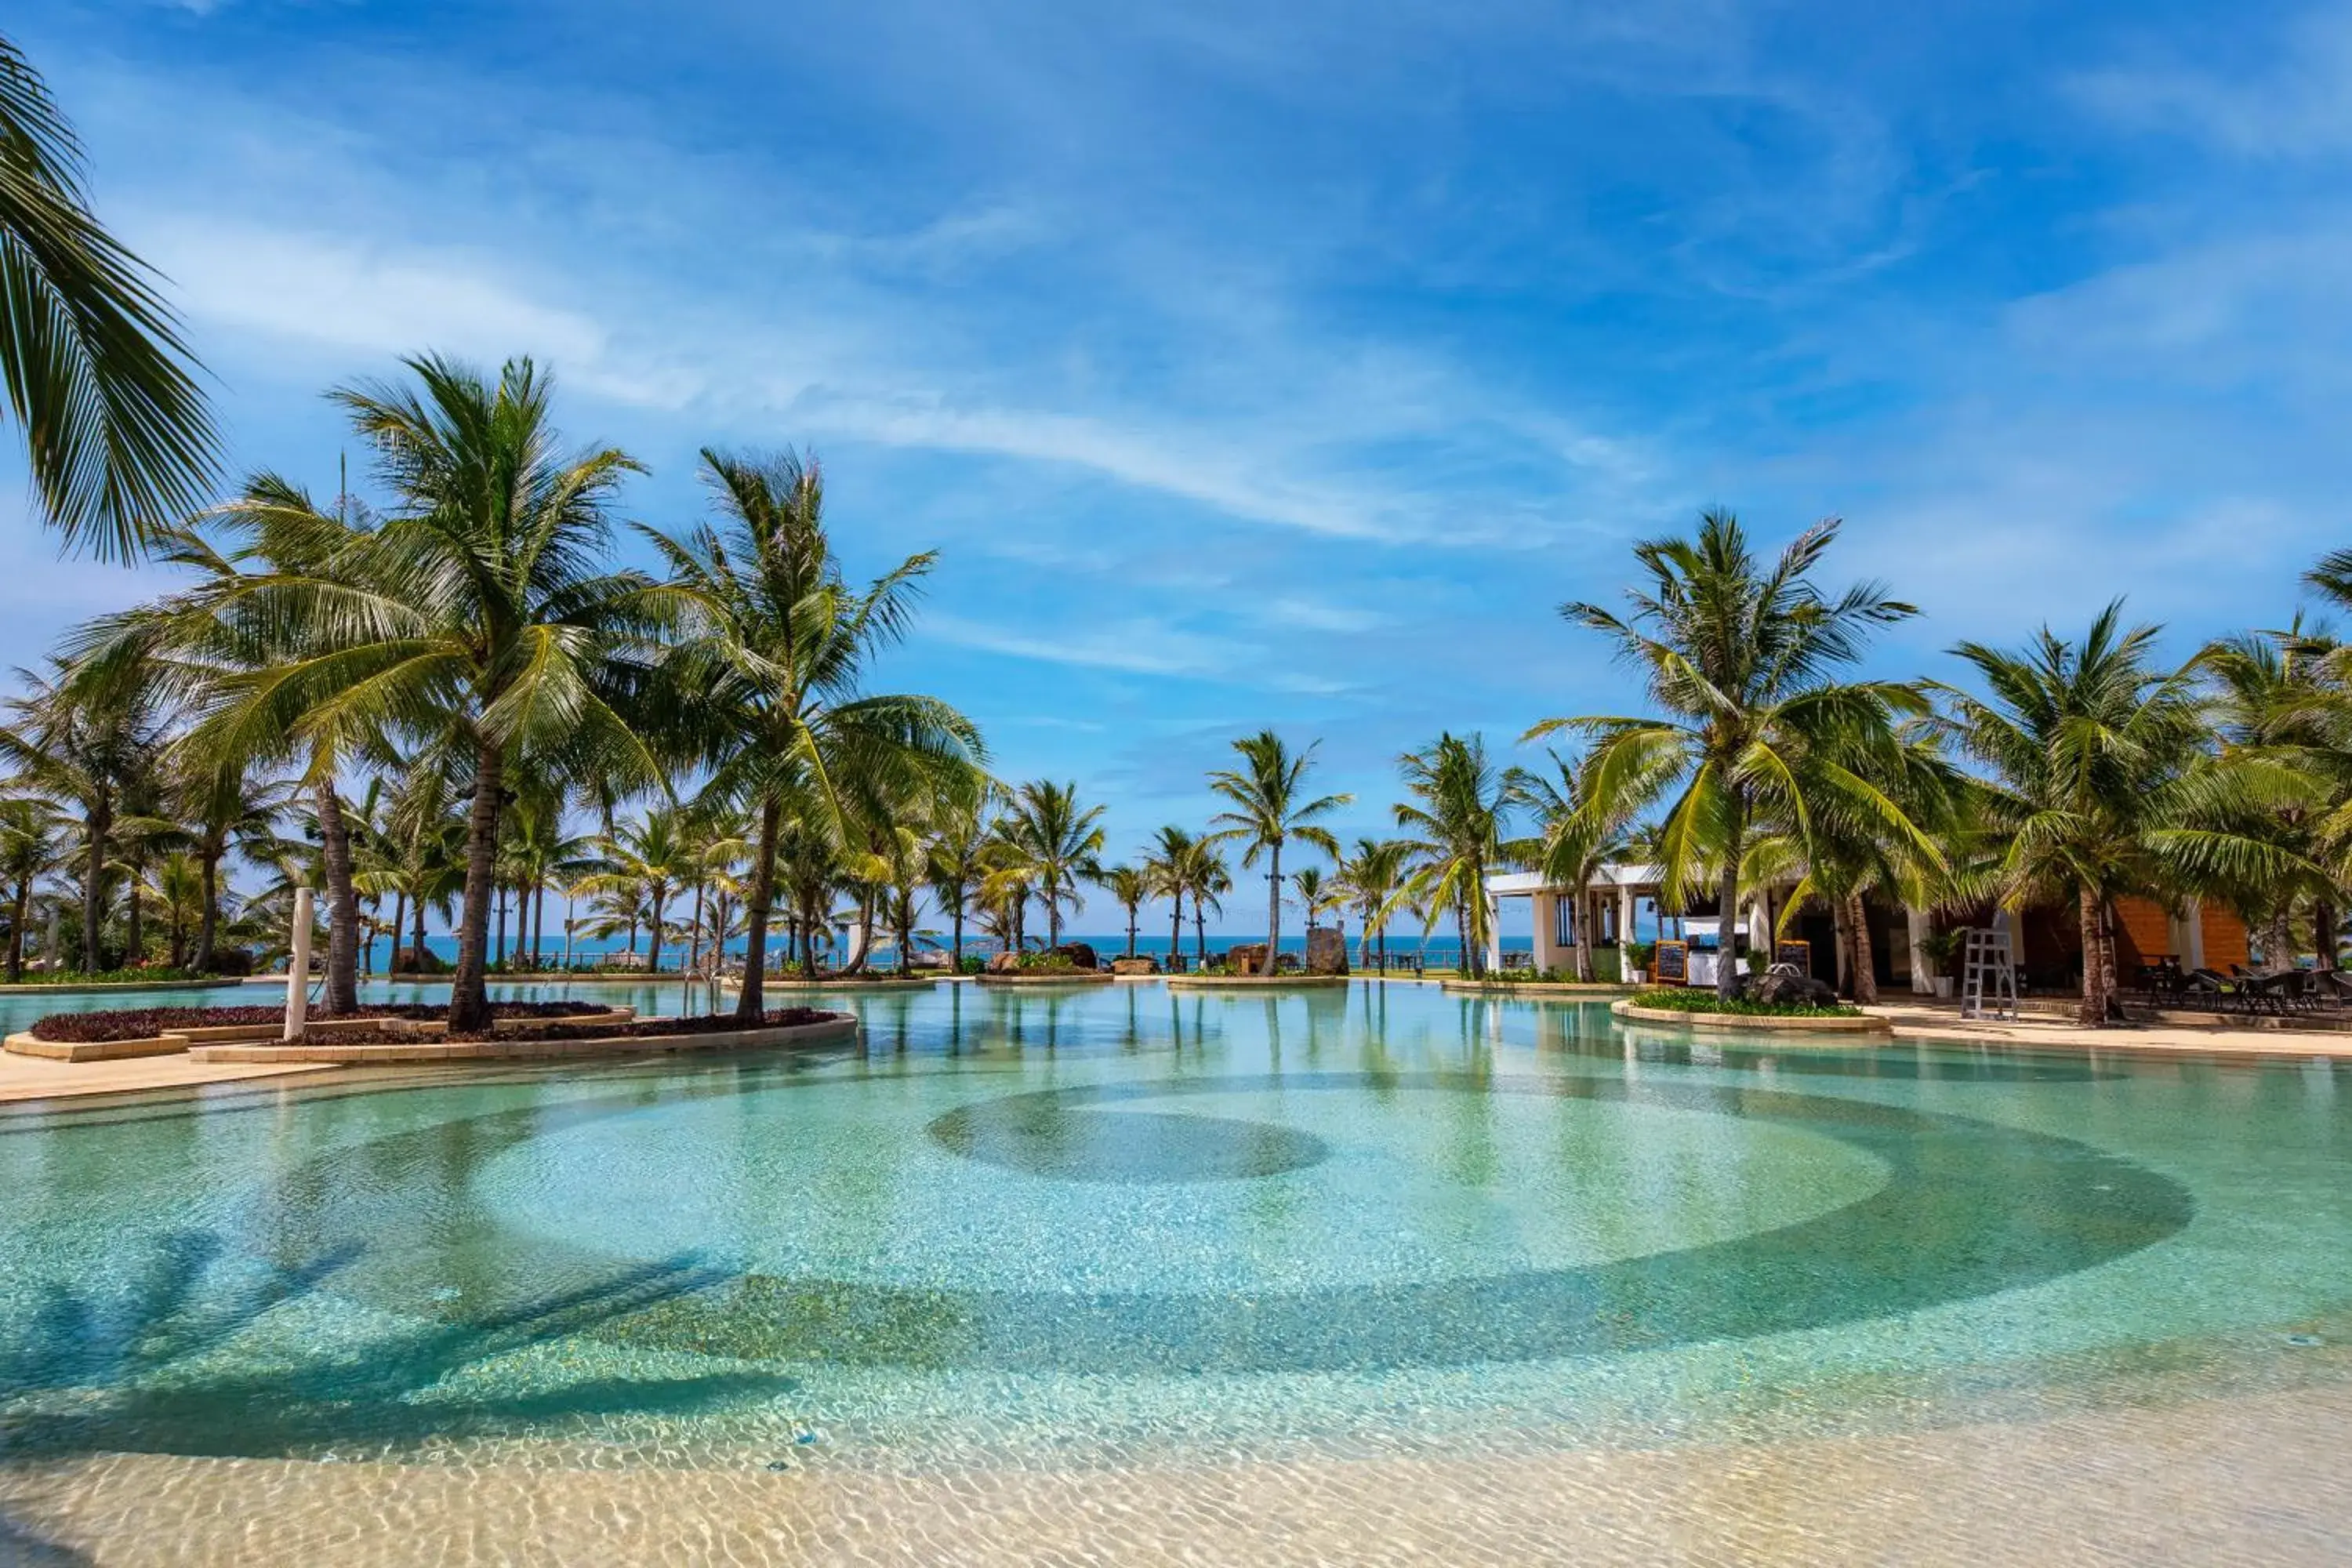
point(37, 1078)
point(1929, 1022)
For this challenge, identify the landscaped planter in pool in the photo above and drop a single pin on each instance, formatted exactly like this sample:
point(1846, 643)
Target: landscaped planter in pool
point(832, 1028)
point(1594, 989)
point(1255, 981)
point(1735, 1023)
point(1050, 977)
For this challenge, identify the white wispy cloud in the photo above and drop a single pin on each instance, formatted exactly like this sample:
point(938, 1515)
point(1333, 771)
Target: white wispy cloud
point(2297, 104)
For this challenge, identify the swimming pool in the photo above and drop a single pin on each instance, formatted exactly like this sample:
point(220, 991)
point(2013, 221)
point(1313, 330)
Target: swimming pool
point(1126, 1228)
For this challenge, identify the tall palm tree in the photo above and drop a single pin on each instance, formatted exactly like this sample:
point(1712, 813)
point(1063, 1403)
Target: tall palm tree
point(956, 867)
point(1268, 806)
point(479, 614)
point(1172, 851)
point(1206, 880)
point(1740, 661)
point(2096, 786)
point(773, 659)
point(32, 844)
point(1129, 887)
point(98, 378)
point(1372, 875)
point(1058, 841)
point(1458, 814)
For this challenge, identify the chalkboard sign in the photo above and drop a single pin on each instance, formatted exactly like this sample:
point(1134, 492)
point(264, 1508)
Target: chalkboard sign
point(1671, 965)
point(1796, 950)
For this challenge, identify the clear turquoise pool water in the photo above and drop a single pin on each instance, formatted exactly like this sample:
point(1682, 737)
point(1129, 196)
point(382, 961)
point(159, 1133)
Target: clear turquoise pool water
point(1084, 1225)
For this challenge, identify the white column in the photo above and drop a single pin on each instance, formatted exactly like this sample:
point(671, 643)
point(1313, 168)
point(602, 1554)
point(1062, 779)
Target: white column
point(2193, 951)
point(298, 966)
point(1760, 931)
point(1915, 923)
point(1624, 916)
point(1546, 918)
point(1493, 934)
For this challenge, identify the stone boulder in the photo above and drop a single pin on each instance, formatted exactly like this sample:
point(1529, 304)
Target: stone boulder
point(1004, 963)
point(1081, 956)
point(1134, 966)
point(1247, 960)
point(1327, 951)
point(1785, 983)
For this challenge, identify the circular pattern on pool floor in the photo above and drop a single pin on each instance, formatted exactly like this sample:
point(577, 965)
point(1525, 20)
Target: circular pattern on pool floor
point(1970, 1208)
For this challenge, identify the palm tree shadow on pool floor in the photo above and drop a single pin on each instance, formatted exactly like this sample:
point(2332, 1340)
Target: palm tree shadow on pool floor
point(158, 1366)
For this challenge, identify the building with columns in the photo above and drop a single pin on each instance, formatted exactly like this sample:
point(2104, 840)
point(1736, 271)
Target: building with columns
point(2047, 941)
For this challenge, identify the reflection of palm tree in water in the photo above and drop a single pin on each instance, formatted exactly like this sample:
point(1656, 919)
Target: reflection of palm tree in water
point(156, 1367)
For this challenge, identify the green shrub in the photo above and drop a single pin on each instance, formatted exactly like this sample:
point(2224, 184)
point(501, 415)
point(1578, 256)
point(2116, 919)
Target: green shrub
point(1680, 999)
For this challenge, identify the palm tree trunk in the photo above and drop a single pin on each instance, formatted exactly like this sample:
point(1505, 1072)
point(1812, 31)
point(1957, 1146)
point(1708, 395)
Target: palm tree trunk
point(417, 913)
point(135, 937)
point(751, 1001)
point(499, 952)
point(2322, 932)
point(1134, 914)
point(399, 921)
point(694, 937)
point(1199, 934)
point(343, 905)
point(1584, 937)
point(2093, 1013)
point(1175, 927)
point(653, 951)
point(955, 928)
point(208, 922)
point(1841, 941)
point(1727, 976)
point(1865, 961)
point(1273, 909)
point(101, 822)
point(538, 920)
point(470, 993)
point(19, 912)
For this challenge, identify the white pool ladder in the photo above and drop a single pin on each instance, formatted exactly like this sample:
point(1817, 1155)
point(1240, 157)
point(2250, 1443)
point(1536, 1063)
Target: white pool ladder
point(1987, 959)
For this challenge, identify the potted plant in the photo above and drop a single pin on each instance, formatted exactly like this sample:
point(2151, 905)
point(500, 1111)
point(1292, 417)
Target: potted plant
point(1637, 961)
point(1942, 949)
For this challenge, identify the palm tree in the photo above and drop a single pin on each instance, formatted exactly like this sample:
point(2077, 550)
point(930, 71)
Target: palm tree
point(1131, 887)
point(1057, 842)
point(773, 656)
point(1576, 835)
point(1269, 806)
point(85, 744)
point(479, 615)
point(2096, 786)
point(101, 384)
point(1460, 806)
point(1839, 855)
point(1738, 660)
point(1373, 875)
point(1206, 881)
point(2281, 700)
point(643, 862)
point(1171, 852)
point(956, 867)
point(232, 809)
point(32, 844)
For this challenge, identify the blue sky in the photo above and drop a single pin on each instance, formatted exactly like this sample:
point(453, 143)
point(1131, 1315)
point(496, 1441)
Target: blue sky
point(1286, 364)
